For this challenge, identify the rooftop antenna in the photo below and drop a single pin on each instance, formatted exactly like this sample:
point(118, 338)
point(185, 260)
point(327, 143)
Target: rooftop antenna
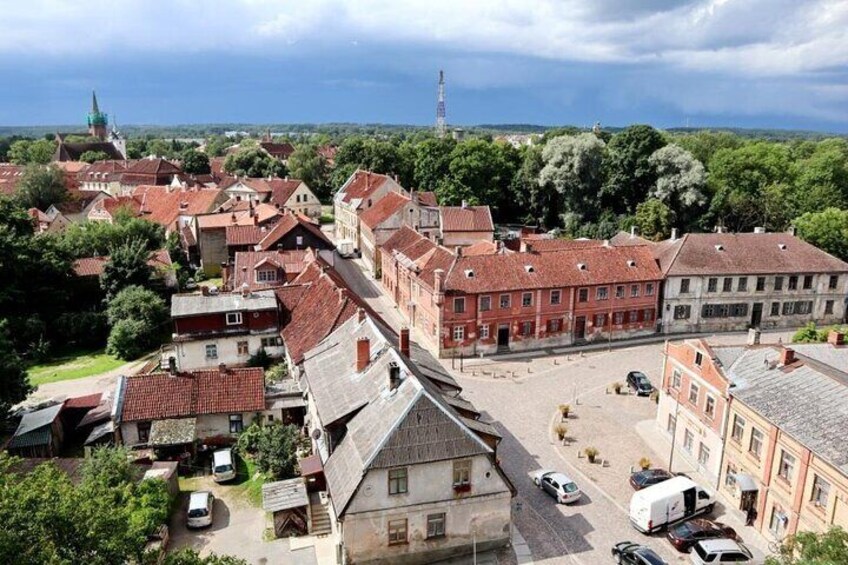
point(441, 127)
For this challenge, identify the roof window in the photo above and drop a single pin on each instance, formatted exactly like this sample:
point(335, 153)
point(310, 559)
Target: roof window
point(581, 266)
point(782, 246)
point(530, 268)
point(469, 274)
point(719, 247)
point(631, 263)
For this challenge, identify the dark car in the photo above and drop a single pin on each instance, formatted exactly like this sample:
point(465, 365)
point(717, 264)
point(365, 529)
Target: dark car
point(684, 536)
point(640, 383)
point(648, 477)
point(629, 553)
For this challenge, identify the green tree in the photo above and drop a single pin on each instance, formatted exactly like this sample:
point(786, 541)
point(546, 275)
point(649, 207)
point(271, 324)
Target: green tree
point(704, 144)
point(130, 339)
point(822, 178)
point(42, 186)
point(195, 162)
point(137, 303)
point(573, 166)
point(159, 148)
point(480, 173)
point(629, 174)
point(189, 556)
point(310, 166)
point(14, 384)
point(92, 156)
point(127, 266)
point(811, 548)
point(681, 182)
point(216, 145)
point(276, 450)
point(29, 152)
point(827, 230)
point(253, 162)
point(540, 200)
point(432, 162)
point(87, 239)
point(654, 219)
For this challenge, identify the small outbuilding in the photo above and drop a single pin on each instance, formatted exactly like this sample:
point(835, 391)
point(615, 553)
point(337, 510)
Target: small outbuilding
point(39, 434)
point(288, 502)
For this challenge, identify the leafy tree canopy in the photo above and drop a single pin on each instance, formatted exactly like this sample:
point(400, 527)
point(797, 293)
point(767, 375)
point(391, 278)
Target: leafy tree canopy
point(253, 162)
point(810, 548)
point(127, 266)
point(92, 156)
point(195, 162)
point(629, 174)
point(27, 152)
point(42, 186)
point(827, 230)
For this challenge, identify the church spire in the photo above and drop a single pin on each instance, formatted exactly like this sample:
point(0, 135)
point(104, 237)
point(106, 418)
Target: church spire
point(97, 120)
point(94, 108)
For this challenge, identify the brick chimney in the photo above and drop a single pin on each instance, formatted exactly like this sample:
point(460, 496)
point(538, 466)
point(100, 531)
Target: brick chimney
point(787, 356)
point(753, 336)
point(836, 338)
point(404, 341)
point(363, 353)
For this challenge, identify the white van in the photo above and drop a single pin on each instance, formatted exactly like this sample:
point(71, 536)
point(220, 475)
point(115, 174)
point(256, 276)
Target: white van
point(670, 501)
point(223, 468)
point(200, 505)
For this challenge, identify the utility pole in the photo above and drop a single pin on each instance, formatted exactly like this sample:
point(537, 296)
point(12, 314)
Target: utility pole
point(441, 126)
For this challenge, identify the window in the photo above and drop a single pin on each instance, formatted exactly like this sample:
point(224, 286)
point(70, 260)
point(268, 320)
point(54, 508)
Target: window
point(675, 379)
point(436, 525)
point(272, 341)
point(397, 532)
point(236, 423)
point(484, 331)
point(266, 275)
point(298, 240)
point(755, 448)
point(619, 291)
point(398, 481)
point(485, 303)
point(602, 293)
point(682, 312)
point(554, 325)
point(583, 295)
point(505, 300)
point(143, 430)
point(684, 286)
point(808, 282)
point(777, 522)
point(458, 333)
point(821, 490)
point(649, 289)
point(632, 316)
point(775, 308)
point(778, 283)
point(787, 465)
point(600, 320)
point(788, 308)
point(462, 472)
point(526, 329)
point(761, 284)
point(742, 284)
point(703, 454)
point(833, 282)
point(699, 358)
point(634, 290)
point(233, 318)
point(556, 296)
point(459, 305)
point(693, 393)
point(828, 307)
point(738, 428)
point(242, 348)
point(712, 285)
point(804, 307)
point(730, 476)
point(688, 440)
point(709, 407)
point(727, 285)
point(526, 299)
point(211, 351)
point(793, 282)
point(671, 424)
point(618, 318)
point(648, 314)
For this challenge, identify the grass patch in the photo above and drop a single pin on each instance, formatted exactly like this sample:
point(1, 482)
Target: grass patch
point(73, 365)
point(250, 480)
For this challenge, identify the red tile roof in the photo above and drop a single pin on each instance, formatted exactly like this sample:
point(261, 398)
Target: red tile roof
point(427, 198)
point(264, 213)
point(526, 271)
point(291, 262)
point(362, 184)
point(112, 204)
point(164, 204)
point(288, 222)
point(289, 296)
point(87, 401)
point(482, 247)
point(38, 215)
point(9, 177)
point(282, 190)
point(216, 165)
point(93, 266)
point(279, 150)
point(402, 238)
point(102, 171)
point(384, 209)
point(467, 218)
point(155, 166)
point(540, 245)
point(159, 396)
point(245, 235)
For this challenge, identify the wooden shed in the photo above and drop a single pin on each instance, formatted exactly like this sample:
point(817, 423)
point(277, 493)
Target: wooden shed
point(288, 502)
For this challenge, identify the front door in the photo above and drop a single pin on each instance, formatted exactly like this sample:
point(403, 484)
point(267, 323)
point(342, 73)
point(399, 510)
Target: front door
point(757, 315)
point(748, 500)
point(580, 327)
point(503, 335)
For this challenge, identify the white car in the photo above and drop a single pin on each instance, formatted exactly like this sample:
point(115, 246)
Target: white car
point(716, 551)
point(200, 506)
point(558, 485)
point(223, 468)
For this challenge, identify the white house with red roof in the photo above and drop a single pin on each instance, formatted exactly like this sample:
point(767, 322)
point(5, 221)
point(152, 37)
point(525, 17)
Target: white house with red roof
point(361, 191)
point(465, 225)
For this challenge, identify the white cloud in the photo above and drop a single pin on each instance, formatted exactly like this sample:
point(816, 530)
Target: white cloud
point(740, 37)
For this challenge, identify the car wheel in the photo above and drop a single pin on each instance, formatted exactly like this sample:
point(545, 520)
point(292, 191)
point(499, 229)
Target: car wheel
point(618, 558)
point(536, 482)
point(709, 509)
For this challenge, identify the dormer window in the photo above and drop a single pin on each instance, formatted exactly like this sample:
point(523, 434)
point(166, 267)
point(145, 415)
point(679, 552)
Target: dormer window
point(781, 246)
point(581, 266)
point(529, 268)
point(631, 263)
point(469, 274)
point(266, 275)
point(719, 247)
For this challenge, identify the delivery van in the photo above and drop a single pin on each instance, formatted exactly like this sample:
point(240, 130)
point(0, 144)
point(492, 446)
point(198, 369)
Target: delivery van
point(678, 498)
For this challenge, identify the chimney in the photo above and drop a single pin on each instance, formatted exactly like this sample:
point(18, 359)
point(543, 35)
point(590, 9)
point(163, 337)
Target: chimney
point(458, 251)
point(836, 338)
point(360, 315)
point(245, 290)
point(525, 247)
point(719, 229)
point(394, 376)
point(759, 229)
point(791, 231)
point(438, 278)
point(464, 204)
point(363, 353)
point(753, 336)
point(673, 234)
point(632, 232)
point(404, 341)
point(222, 368)
point(787, 356)
point(225, 273)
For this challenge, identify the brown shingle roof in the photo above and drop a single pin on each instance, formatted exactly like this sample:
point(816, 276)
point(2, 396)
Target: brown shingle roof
point(282, 190)
point(427, 198)
point(402, 238)
point(160, 395)
point(164, 204)
point(466, 218)
point(384, 209)
point(245, 235)
point(288, 222)
point(362, 185)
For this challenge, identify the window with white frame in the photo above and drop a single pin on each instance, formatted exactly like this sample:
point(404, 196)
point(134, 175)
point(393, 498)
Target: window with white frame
point(462, 472)
point(649, 289)
point(485, 303)
point(675, 378)
point(243, 348)
point(709, 406)
point(618, 318)
point(458, 333)
point(703, 454)
point(266, 275)
point(436, 525)
point(233, 318)
point(671, 424)
point(634, 290)
point(821, 491)
point(693, 393)
point(505, 300)
point(556, 296)
point(397, 531)
point(688, 440)
point(619, 291)
point(601, 293)
point(236, 423)
point(211, 351)
point(787, 465)
point(527, 299)
point(484, 331)
point(755, 448)
point(738, 429)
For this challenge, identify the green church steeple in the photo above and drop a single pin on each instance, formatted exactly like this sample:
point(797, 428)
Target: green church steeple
point(97, 120)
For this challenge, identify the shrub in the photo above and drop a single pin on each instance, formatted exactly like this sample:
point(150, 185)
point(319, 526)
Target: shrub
point(561, 430)
point(260, 359)
point(617, 387)
point(564, 409)
point(248, 441)
point(645, 463)
point(591, 453)
point(84, 329)
point(276, 450)
point(277, 372)
point(127, 339)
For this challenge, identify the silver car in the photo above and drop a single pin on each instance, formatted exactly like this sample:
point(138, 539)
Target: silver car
point(558, 485)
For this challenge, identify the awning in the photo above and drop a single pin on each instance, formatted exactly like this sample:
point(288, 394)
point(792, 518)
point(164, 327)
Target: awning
point(311, 466)
point(172, 432)
point(99, 431)
point(746, 483)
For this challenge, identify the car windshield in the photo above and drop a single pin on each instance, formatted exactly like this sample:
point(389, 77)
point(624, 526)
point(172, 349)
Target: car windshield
point(198, 513)
point(683, 530)
point(702, 553)
point(223, 468)
point(648, 556)
point(569, 487)
point(643, 380)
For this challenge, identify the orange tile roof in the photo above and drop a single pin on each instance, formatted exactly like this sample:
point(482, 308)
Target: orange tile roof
point(466, 218)
point(384, 209)
point(362, 185)
point(164, 204)
point(282, 190)
point(263, 213)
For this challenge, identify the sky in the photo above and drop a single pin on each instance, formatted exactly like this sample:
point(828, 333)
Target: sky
point(670, 63)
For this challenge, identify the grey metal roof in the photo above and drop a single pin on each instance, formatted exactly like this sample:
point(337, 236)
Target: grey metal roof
point(99, 431)
point(282, 495)
point(33, 438)
point(37, 419)
point(197, 304)
point(726, 355)
point(836, 357)
point(808, 401)
point(176, 431)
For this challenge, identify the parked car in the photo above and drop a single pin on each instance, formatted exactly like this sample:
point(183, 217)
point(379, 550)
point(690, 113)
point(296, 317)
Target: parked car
point(659, 506)
point(558, 485)
point(200, 505)
point(629, 553)
point(223, 468)
point(648, 477)
point(640, 383)
point(724, 551)
point(685, 535)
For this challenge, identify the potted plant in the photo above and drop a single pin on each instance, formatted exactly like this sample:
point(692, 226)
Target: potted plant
point(617, 387)
point(564, 409)
point(645, 463)
point(561, 431)
point(591, 454)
